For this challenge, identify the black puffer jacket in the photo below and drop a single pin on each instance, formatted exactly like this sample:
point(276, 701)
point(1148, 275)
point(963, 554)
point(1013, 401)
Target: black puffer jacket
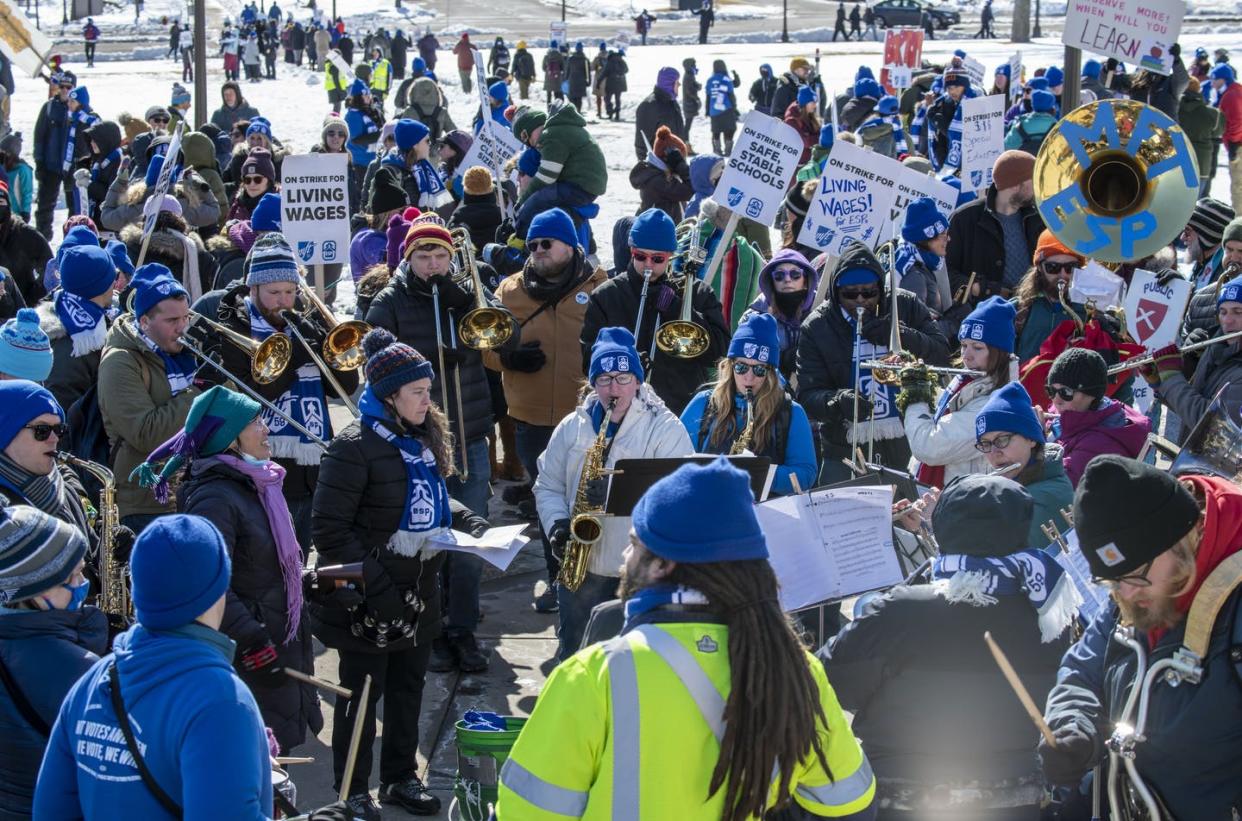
point(480, 215)
point(24, 254)
point(255, 609)
point(657, 108)
point(855, 112)
point(977, 243)
point(359, 502)
point(615, 303)
point(667, 189)
point(1201, 312)
point(405, 308)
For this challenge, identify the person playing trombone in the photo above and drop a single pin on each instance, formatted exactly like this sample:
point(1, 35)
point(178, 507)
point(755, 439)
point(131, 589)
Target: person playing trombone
point(265, 304)
point(750, 410)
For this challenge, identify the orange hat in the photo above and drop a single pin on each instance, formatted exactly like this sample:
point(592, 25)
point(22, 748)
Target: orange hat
point(666, 139)
point(1050, 246)
point(427, 230)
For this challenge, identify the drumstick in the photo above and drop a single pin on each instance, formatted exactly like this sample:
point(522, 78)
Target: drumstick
point(286, 760)
point(969, 285)
point(360, 714)
point(1019, 689)
point(318, 682)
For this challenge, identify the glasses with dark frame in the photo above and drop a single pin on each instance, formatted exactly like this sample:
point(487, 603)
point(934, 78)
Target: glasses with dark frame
point(1135, 579)
point(999, 443)
point(1066, 394)
point(862, 293)
point(42, 431)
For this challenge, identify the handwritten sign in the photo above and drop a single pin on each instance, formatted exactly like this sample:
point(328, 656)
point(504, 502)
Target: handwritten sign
point(983, 138)
point(760, 168)
point(1134, 31)
point(1154, 311)
point(974, 70)
point(903, 47)
point(910, 186)
point(314, 207)
point(855, 193)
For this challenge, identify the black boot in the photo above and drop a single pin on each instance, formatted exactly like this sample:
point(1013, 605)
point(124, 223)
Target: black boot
point(361, 805)
point(410, 795)
point(442, 658)
point(470, 659)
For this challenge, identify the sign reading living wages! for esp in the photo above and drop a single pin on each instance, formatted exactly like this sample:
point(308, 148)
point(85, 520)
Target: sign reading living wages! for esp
point(852, 201)
point(314, 207)
point(1133, 31)
point(758, 172)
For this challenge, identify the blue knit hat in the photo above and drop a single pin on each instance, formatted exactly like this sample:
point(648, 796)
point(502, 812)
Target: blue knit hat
point(806, 95)
point(1009, 410)
point(923, 221)
point(153, 283)
point(554, 223)
point(499, 91)
point(1055, 77)
point(266, 213)
point(120, 257)
point(37, 552)
point(887, 105)
point(81, 96)
point(86, 270)
point(259, 126)
point(756, 338)
point(418, 64)
point(1232, 292)
point(864, 87)
point(1091, 69)
point(615, 351)
point(1222, 71)
point(409, 133)
point(1043, 101)
point(1037, 84)
point(270, 259)
point(653, 230)
point(528, 162)
point(22, 401)
point(391, 364)
point(179, 94)
point(1002, 69)
point(357, 88)
point(991, 323)
point(78, 235)
point(25, 351)
point(180, 567)
point(699, 514)
point(856, 276)
point(827, 135)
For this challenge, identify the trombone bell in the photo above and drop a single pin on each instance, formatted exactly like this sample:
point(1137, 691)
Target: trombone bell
point(268, 359)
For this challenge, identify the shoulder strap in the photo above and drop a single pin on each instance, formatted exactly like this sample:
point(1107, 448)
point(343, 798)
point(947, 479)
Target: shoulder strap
point(22, 704)
point(1209, 601)
point(122, 717)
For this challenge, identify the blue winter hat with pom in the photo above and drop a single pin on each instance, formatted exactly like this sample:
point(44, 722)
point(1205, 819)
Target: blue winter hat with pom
point(25, 351)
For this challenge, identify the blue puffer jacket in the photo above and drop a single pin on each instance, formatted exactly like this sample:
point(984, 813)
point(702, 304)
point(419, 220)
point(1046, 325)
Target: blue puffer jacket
point(51, 131)
point(45, 651)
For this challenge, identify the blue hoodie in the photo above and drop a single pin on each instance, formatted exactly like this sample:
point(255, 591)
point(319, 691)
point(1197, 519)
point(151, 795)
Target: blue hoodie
point(700, 180)
point(200, 727)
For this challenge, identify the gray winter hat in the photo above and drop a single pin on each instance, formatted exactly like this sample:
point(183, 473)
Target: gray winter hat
point(37, 552)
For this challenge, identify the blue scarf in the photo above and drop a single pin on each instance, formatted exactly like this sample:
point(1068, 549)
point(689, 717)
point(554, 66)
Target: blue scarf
point(84, 117)
point(178, 368)
point(104, 162)
point(1034, 573)
point(432, 193)
point(84, 321)
point(886, 419)
point(305, 401)
point(426, 495)
point(651, 598)
point(908, 254)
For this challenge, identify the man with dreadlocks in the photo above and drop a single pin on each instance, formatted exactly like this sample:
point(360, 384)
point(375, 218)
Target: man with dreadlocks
point(707, 681)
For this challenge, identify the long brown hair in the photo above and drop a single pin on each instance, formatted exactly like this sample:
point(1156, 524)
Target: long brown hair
point(720, 408)
point(997, 369)
point(434, 433)
point(1029, 289)
point(773, 713)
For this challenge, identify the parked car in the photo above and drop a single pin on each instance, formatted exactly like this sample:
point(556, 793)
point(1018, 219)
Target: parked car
point(891, 13)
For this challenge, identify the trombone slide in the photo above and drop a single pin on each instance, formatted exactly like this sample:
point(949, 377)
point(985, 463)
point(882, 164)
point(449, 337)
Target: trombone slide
point(1147, 359)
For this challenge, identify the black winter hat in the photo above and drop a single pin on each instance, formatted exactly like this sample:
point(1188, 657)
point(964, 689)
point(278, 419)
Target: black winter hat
point(985, 516)
point(386, 195)
point(1081, 369)
point(1127, 513)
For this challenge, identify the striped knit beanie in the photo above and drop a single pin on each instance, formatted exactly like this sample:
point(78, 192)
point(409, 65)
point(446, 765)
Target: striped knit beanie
point(37, 552)
point(1209, 220)
point(270, 260)
point(391, 364)
point(25, 352)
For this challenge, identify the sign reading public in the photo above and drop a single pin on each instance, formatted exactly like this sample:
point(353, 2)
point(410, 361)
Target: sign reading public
point(314, 207)
point(764, 160)
point(1138, 32)
point(1154, 311)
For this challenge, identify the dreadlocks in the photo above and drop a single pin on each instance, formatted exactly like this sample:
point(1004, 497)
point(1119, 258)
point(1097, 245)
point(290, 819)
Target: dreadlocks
point(774, 712)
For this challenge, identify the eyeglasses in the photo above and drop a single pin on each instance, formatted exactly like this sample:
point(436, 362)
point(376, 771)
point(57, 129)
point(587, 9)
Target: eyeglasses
point(619, 379)
point(793, 275)
point(1065, 393)
point(42, 431)
point(999, 443)
point(655, 259)
point(864, 293)
point(1055, 267)
point(743, 368)
point(340, 135)
point(541, 244)
point(1136, 579)
point(255, 180)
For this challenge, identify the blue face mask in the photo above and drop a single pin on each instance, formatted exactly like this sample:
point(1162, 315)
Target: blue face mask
point(78, 592)
point(251, 460)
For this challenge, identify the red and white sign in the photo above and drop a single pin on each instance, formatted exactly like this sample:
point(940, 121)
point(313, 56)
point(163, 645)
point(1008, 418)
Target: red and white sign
point(1154, 311)
point(902, 47)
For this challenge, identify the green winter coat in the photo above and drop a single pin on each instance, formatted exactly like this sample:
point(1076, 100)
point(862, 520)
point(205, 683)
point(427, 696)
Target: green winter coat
point(568, 153)
point(1052, 493)
point(1204, 127)
point(200, 155)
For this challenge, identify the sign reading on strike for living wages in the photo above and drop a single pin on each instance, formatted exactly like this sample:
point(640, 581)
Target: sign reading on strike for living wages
point(1134, 31)
point(758, 172)
point(902, 47)
point(314, 207)
point(854, 195)
point(983, 138)
point(1154, 311)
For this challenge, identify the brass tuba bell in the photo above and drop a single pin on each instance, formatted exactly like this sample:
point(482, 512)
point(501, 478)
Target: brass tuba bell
point(1116, 180)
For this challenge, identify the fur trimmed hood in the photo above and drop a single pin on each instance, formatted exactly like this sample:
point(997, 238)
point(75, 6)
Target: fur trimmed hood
point(49, 321)
point(165, 243)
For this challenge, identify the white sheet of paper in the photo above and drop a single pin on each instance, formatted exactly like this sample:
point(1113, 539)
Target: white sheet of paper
point(499, 546)
point(1094, 597)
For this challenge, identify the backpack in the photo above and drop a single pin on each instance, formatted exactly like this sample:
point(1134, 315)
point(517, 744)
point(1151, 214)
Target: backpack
point(878, 136)
point(1030, 142)
point(87, 437)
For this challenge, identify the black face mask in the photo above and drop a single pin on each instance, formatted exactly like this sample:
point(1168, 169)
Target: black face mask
point(788, 302)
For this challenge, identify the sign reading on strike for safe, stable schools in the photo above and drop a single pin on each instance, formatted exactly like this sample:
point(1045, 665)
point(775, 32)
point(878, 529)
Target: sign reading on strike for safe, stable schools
point(492, 148)
point(314, 207)
point(763, 162)
point(983, 138)
point(1154, 311)
point(1134, 31)
point(852, 201)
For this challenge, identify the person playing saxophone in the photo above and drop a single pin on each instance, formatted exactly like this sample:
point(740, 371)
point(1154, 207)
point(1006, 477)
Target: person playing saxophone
point(640, 426)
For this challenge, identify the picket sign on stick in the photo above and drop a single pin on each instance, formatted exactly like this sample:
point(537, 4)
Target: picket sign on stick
point(155, 202)
point(1138, 32)
point(489, 125)
point(355, 741)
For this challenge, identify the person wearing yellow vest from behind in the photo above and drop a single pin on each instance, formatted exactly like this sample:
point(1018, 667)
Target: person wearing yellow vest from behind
point(686, 712)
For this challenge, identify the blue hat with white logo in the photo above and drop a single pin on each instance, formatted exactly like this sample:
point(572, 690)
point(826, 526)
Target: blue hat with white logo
point(756, 338)
point(991, 323)
point(615, 351)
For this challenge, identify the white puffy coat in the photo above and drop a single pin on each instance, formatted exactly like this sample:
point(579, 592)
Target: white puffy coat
point(950, 441)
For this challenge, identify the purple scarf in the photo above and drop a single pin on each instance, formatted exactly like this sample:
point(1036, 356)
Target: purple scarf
point(268, 479)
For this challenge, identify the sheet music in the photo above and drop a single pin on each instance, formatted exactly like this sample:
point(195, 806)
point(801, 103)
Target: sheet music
point(498, 546)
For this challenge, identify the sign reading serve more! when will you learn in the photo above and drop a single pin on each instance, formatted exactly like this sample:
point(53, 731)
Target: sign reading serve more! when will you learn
point(757, 175)
point(1138, 32)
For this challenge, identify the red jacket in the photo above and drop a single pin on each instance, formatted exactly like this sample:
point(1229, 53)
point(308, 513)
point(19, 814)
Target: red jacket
point(1231, 106)
point(465, 59)
point(805, 128)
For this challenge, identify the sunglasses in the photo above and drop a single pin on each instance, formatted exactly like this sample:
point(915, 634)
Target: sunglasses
point(1137, 579)
point(620, 379)
point(340, 135)
point(1066, 394)
point(655, 259)
point(793, 275)
point(255, 180)
point(1055, 267)
point(864, 293)
point(743, 368)
point(541, 244)
point(42, 431)
point(160, 120)
point(999, 443)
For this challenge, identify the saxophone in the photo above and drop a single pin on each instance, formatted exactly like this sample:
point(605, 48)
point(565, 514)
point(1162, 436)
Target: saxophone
point(586, 526)
point(742, 443)
point(113, 582)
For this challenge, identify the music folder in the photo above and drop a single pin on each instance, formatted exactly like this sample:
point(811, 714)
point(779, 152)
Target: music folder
point(632, 477)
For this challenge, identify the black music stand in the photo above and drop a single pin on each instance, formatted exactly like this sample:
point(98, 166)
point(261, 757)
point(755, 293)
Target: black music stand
point(907, 487)
point(632, 477)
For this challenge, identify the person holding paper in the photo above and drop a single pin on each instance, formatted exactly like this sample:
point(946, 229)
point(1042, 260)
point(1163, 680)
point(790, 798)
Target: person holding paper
point(640, 426)
point(916, 673)
point(380, 500)
point(749, 403)
point(636, 727)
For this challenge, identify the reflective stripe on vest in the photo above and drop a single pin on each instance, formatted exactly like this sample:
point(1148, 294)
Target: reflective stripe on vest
point(842, 791)
point(623, 682)
point(542, 794)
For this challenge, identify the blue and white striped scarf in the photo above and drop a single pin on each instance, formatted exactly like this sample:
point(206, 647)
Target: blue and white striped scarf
point(84, 321)
point(178, 368)
point(84, 117)
point(305, 402)
point(978, 581)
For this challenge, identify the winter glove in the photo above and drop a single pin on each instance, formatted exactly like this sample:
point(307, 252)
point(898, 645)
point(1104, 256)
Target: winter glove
point(208, 375)
point(475, 525)
point(529, 358)
point(666, 300)
point(81, 178)
point(840, 408)
point(122, 544)
point(917, 385)
point(336, 811)
point(260, 661)
point(1168, 362)
point(876, 329)
point(346, 598)
point(597, 491)
point(1069, 761)
point(1163, 278)
point(673, 158)
point(504, 231)
point(558, 537)
point(1195, 337)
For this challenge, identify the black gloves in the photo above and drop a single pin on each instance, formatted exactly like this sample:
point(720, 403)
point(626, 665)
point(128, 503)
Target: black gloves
point(208, 375)
point(840, 408)
point(260, 661)
point(876, 330)
point(596, 491)
point(122, 543)
point(673, 158)
point(476, 526)
point(1166, 276)
point(1195, 337)
point(504, 231)
point(529, 358)
point(558, 537)
point(1069, 761)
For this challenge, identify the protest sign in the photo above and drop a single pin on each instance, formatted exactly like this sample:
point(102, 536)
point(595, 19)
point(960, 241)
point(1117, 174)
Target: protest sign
point(983, 138)
point(1015, 77)
point(558, 31)
point(852, 201)
point(314, 207)
point(911, 185)
point(154, 204)
point(22, 42)
point(491, 149)
point(899, 76)
point(764, 160)
point(974, 70)
point(902, 47)
point(1134, 31)
point(342, 67)
point(1154, 311)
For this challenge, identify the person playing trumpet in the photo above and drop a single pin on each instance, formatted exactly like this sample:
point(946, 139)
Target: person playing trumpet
point(263, 305)
point(749, 410)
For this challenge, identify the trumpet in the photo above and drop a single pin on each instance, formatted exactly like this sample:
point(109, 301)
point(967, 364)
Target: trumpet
point(484, 328)
point(268, 359)
point(1147, 359)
